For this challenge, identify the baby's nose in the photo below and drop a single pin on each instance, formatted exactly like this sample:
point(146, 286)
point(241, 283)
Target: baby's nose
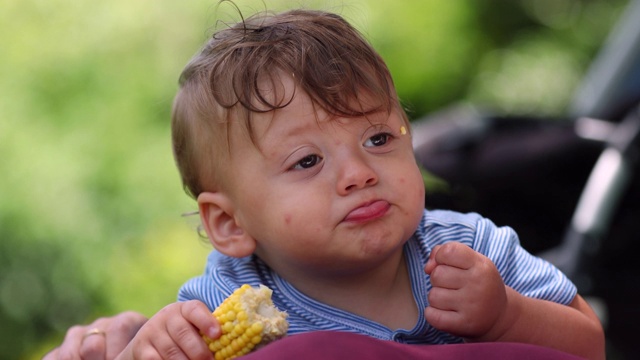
point(355, 173)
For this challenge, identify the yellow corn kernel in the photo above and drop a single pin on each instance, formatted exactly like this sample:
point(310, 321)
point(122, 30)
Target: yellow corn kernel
point(248, 320)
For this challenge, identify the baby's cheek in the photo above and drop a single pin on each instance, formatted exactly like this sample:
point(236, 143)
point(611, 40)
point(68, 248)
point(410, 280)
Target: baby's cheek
point(412, 184)
point(413, 187)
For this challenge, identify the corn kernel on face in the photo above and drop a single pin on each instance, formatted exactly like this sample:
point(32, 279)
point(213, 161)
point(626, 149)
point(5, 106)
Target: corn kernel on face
point(248, 319)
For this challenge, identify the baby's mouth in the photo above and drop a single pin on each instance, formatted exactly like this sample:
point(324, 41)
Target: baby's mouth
point(368, 212)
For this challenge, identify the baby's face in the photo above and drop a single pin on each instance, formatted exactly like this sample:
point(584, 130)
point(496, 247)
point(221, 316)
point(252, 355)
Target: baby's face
point(325, 195)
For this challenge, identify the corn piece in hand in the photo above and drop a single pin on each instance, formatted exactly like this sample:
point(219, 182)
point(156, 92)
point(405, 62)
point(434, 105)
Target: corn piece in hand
point(248, 319)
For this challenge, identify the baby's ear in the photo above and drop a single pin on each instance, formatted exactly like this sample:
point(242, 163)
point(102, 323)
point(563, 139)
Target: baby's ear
point(225, 234)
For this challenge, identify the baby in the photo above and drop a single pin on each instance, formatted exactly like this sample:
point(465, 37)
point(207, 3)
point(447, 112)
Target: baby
point(288, 131)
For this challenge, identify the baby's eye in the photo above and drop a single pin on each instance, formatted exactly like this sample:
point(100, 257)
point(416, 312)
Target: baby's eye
point(307, 162)
point(377, 140)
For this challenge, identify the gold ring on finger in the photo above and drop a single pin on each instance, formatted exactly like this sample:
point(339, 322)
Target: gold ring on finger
point(94, 331)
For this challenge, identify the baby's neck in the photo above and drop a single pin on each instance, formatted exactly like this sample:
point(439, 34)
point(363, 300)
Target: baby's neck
point(383, 295)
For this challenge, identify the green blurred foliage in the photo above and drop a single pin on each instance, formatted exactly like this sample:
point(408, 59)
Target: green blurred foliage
point(90, 202)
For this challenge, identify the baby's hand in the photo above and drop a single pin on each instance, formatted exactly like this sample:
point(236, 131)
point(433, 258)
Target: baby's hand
point(468, 296)
point(174, 333)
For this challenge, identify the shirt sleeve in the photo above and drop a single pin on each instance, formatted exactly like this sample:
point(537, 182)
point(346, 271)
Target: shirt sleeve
point(528, 274)
point(222, 276)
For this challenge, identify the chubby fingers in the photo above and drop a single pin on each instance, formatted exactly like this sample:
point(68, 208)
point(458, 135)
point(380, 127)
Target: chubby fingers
point(174, 332)
point(447, 268)
point(452, 254)
point(184, 331)
point(466, 286)
point(431, 262)
point(200, 316)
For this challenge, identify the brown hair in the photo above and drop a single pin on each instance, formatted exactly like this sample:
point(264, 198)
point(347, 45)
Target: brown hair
point(330, 60)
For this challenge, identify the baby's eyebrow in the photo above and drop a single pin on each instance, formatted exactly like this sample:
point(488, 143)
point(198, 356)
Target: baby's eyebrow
point(377, 118)
point(272, 140)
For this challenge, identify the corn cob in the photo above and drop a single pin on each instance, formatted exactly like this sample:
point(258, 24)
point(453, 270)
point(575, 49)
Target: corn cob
point(248, 319)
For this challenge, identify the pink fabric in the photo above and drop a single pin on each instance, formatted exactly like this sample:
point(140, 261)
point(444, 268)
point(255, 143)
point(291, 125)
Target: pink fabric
point(323, 345)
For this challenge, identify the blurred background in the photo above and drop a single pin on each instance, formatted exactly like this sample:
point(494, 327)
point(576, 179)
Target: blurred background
point(90, 201)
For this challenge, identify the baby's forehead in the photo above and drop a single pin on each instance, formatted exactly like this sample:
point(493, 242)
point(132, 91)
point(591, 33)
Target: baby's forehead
point(293, 120)
point(285, 105)
point(287, 131)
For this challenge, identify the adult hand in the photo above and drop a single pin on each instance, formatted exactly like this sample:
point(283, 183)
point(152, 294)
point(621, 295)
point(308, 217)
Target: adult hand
point(103, 339)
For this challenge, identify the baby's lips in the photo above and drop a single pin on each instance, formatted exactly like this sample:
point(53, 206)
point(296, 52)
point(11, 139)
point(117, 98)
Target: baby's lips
point(369, 211)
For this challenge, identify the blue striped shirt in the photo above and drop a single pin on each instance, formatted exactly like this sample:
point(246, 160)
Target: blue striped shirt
point(527, 274)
